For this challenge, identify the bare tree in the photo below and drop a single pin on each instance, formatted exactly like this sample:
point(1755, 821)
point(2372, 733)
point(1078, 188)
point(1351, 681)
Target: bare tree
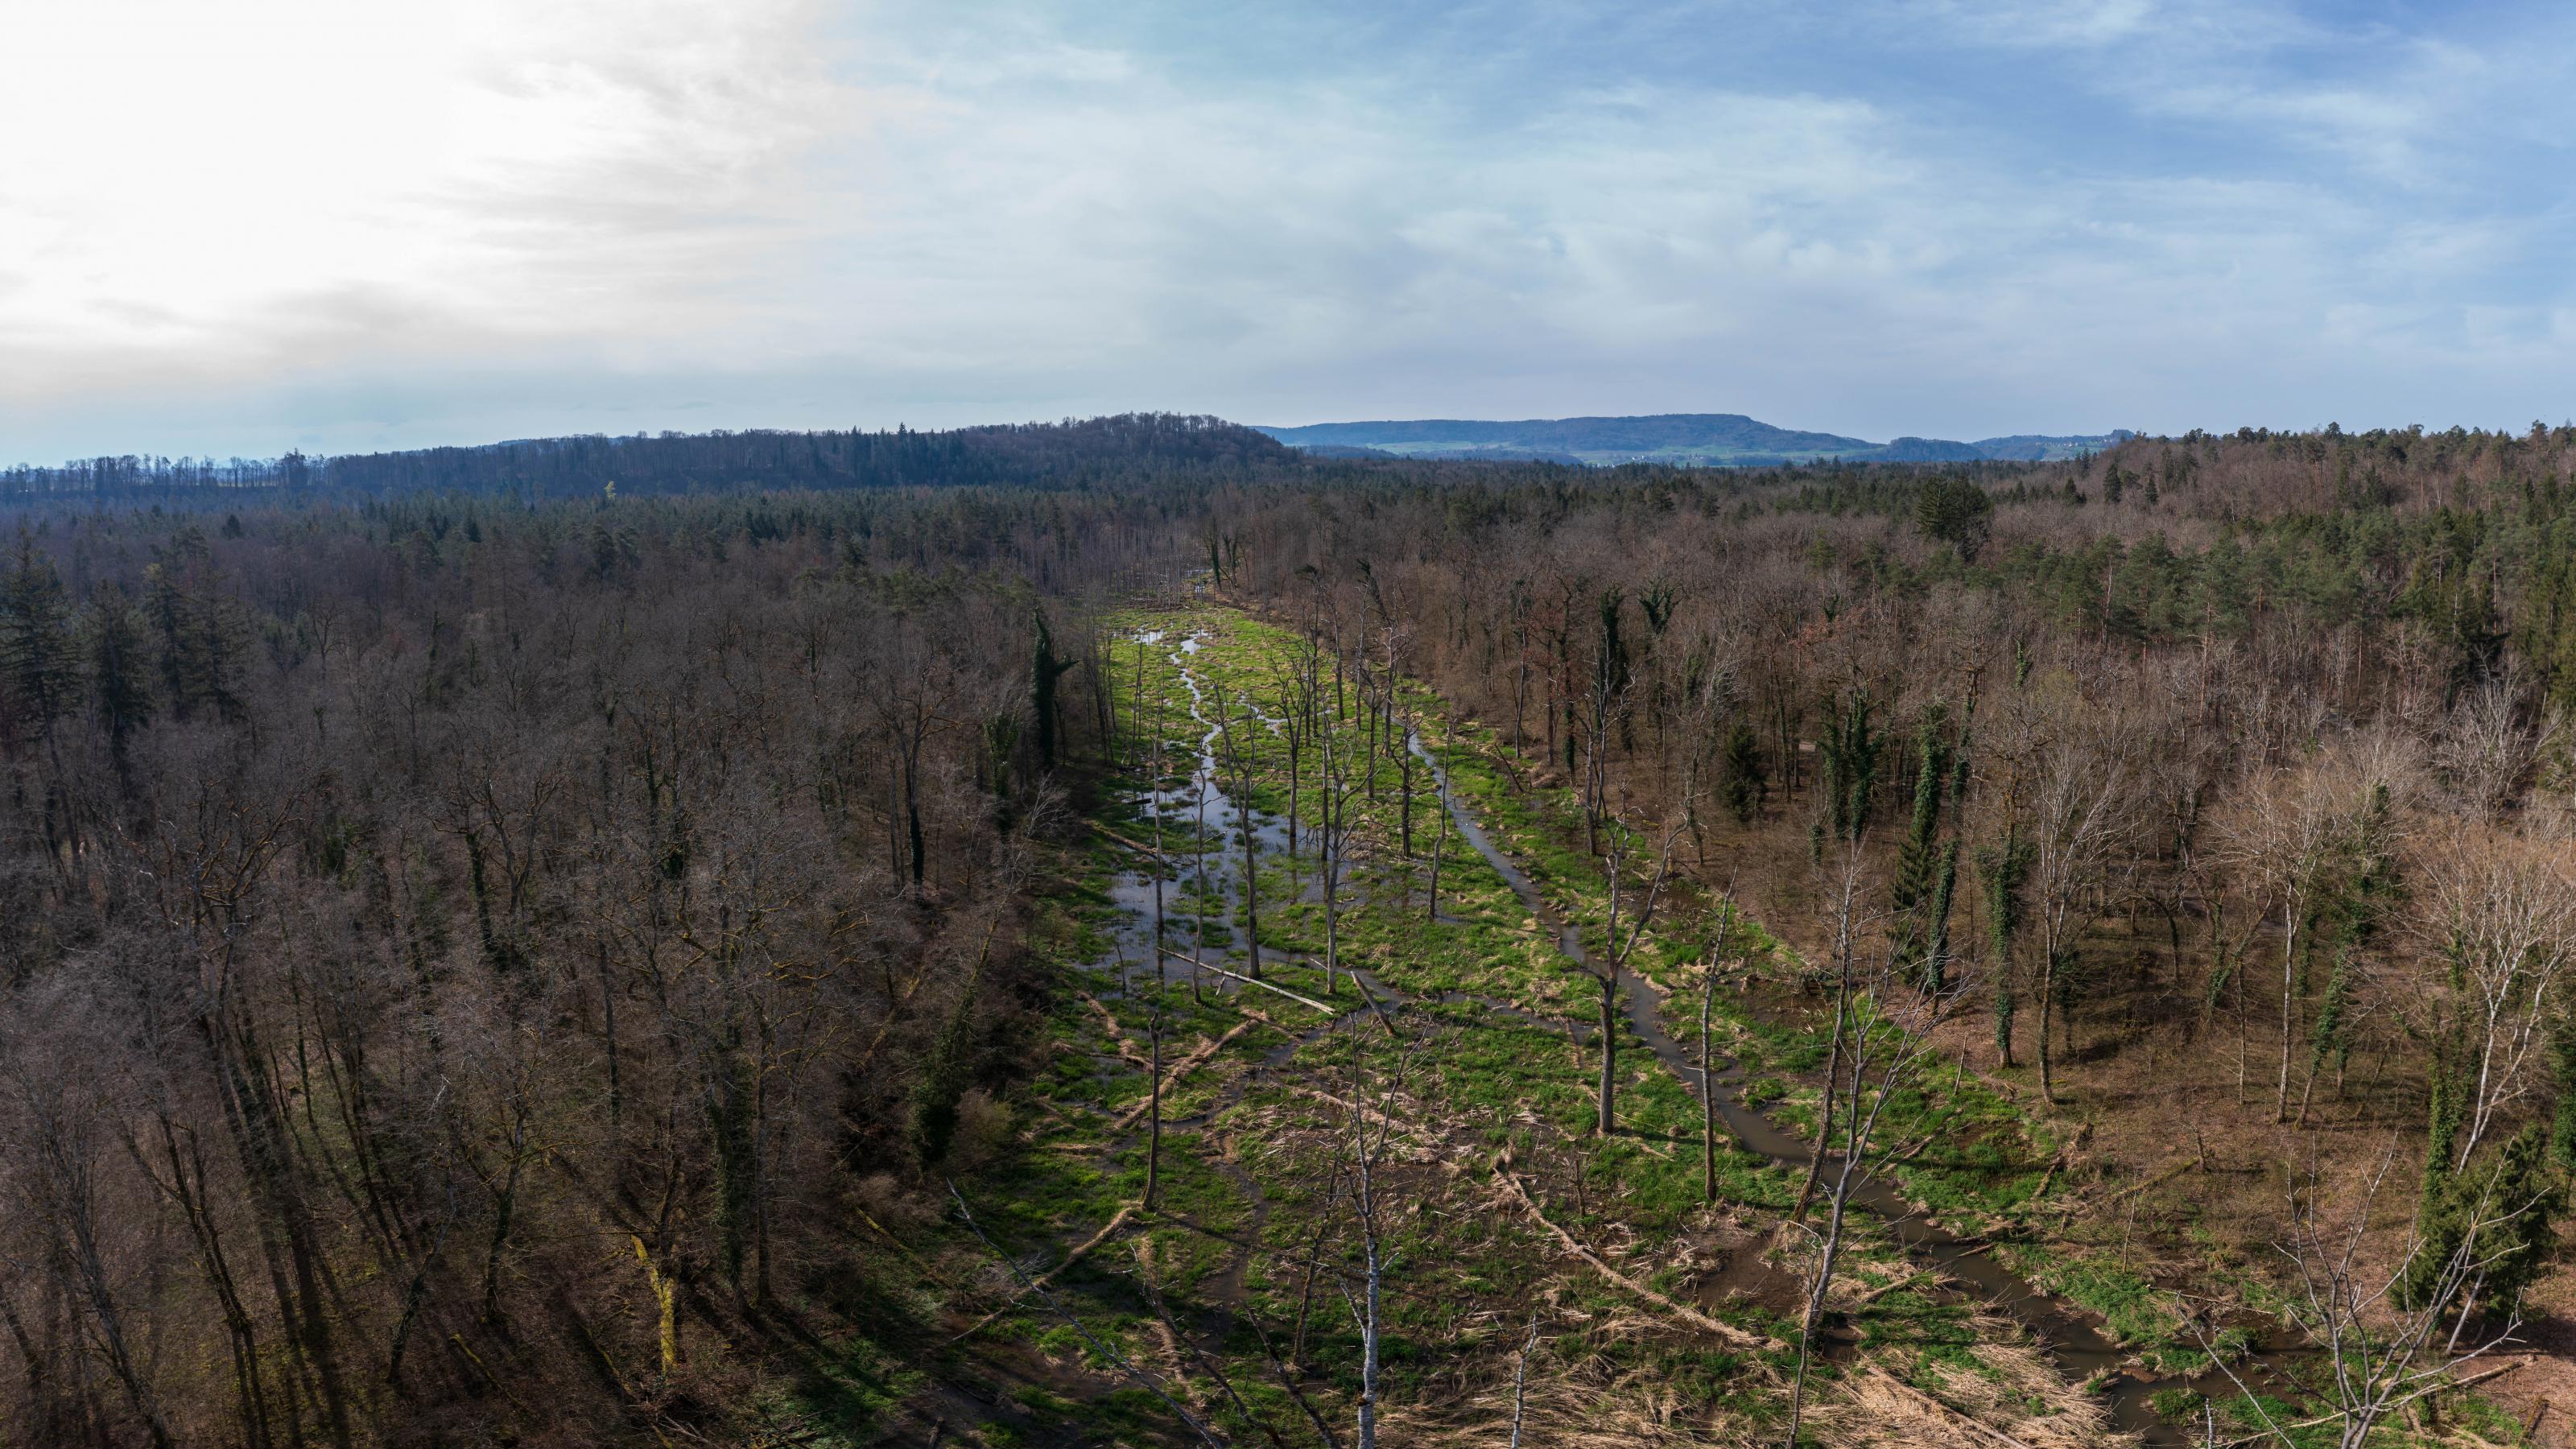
point(2288, 835)
point(1719, 945)
point(2498, 930)
point(1334, 831)
point(1365, 1160)
point(2083, 776)
point(1238, 758)
point(1609, 968)
point(2383, 1346)
point(1888, 1025)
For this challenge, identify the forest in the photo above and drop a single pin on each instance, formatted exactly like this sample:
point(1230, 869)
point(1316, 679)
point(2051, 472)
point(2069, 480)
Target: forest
point(1119, 932)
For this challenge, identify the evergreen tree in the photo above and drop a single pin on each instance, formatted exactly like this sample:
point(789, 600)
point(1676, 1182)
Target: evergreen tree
point(2562, 1065)
point(1747, 783)
point(1848, 752)
point(2331, 1039)
point(192, 634)
point(1952, 510)
point(120, 693)
point(38, 660)
point(1044, 670)
point(1936, 954)
point(1919, 858)
point(2002, 869)
point(944, 1080)
point(2523, 1198)
point(2508, 1201)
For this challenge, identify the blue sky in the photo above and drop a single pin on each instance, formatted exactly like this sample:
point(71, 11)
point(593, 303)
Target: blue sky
point(396, 224)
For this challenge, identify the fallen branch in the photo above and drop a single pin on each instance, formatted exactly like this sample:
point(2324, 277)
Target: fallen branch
point(1116, 1221)
point(2049, 1176)
point(1692, 1316)
point(2424, 1393)
point(1116, 1033)
point(1891, 1285)
point(1363, 1111)
point(1104, 1350)
point(1255, 981)
point(1138, 846)
point(2168, 1175)
point(1197, 1058)
point(1907, 1391)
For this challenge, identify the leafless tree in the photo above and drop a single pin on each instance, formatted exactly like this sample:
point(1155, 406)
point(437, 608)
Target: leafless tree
point(1623, 930)
point(2081, 811)
point(2498, 929)
point(2384, 1348)
point(1888, 1024)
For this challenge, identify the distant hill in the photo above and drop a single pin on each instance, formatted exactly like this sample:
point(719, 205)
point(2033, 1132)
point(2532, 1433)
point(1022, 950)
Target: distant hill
point(1703, 439)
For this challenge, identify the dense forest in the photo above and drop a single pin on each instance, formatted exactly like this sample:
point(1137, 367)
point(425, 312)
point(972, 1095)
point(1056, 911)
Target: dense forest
point(542, 943)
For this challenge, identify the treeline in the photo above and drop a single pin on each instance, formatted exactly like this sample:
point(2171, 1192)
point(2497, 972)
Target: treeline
point(465, 968)
point(1070, 455)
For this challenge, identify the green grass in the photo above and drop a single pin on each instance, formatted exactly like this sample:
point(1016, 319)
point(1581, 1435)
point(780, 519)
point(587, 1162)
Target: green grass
point(1246, 1151)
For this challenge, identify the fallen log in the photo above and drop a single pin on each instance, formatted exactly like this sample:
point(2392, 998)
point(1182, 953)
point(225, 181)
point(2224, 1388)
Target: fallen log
point(1939, 1409)
point(1197, 1058)
point(2168, 1175)
point(1119, 1220)
point(1741, 1338)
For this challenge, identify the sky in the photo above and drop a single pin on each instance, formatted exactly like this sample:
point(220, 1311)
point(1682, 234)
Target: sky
point(242, 226)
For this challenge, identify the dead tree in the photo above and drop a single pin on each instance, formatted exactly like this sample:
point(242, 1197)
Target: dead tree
point(2385, 1355)
point(1608, 969)
point(1889, 1023)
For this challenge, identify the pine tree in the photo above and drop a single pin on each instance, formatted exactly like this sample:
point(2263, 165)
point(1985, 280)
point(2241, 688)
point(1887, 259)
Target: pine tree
point(120, 693)
point(193, 637)
point(38, 660)
point(1919, 858)
point(1747, 785)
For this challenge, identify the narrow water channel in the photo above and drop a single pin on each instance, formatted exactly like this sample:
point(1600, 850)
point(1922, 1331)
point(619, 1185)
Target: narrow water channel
point(2070, 1336)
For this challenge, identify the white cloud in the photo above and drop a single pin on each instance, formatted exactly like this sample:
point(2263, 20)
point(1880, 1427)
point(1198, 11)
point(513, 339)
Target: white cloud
point(362, 224)
point(221, 186)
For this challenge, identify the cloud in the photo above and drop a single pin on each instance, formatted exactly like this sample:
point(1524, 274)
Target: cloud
point(284, 180)
point(360, 224)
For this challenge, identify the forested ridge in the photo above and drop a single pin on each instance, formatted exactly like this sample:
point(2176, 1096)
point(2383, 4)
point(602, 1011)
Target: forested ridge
point(1120, 450)
point(545, 943)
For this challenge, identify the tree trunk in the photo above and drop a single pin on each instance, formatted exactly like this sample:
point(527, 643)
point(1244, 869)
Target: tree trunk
point(2289, 1001)
point(1609, 1048)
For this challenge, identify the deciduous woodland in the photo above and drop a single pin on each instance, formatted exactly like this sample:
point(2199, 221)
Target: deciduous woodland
point(1120, 933)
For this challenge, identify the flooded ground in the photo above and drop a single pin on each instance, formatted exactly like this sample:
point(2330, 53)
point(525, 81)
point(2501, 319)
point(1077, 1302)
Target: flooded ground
point(1196, 896)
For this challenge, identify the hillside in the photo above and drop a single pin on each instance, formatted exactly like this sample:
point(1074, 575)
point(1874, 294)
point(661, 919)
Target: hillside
point(1690, 439)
